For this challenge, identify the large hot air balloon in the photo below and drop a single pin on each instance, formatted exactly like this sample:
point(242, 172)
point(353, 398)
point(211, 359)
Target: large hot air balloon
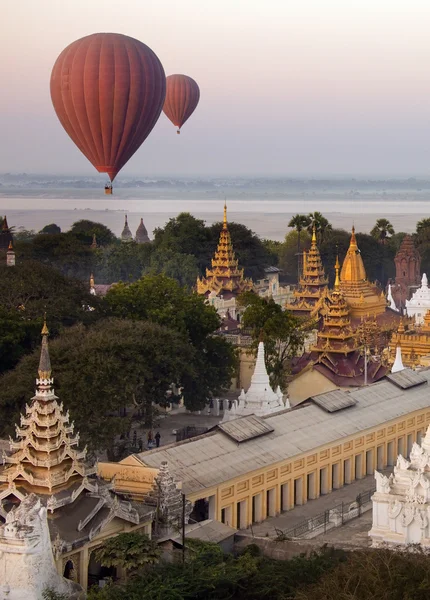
point(108, 91)
point(182, 97)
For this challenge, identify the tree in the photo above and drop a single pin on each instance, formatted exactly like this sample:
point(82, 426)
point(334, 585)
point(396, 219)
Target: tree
point(283, 333)
point(382, 230)
point(122, 262)
point(99, 370)
point(288, 254)
point(51, 229)
point(85, 229)
point(132, 552)
point(162, 300)
point(181, 267)
point(321, 225)
point(299, 223)
point(423, 225)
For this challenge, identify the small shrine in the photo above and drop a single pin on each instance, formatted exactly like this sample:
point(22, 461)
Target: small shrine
point(225, 280)
point(312, 289)
point(419, 304)
point(142, 234)
point(126, 235)
point(260, 399)
point(10, 256)
point(362, 297)
point(340, 358)
point(408, 271)
point(401, 503)
point(414, 341)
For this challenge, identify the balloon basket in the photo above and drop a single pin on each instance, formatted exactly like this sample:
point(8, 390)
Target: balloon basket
point(108, 190)
point(178, 132)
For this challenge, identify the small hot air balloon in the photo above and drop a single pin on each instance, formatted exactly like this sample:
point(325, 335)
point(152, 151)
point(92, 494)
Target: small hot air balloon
point(182, 97)
point(108, 91)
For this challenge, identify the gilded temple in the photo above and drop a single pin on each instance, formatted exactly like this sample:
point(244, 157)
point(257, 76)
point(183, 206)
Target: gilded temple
point(225, 278)
point(312, 289)
point(363, 298)
point(414, 340)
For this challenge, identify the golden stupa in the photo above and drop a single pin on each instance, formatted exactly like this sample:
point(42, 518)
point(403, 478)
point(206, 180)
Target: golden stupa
point(363, 298)
point(225, 277)
point(312, 289)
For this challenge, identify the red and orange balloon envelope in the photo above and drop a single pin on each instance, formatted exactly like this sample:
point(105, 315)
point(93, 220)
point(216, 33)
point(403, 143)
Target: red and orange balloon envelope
point(108, 91)
point(182, 97)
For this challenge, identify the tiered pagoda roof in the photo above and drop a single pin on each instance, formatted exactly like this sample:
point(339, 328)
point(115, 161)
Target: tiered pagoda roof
point(126, 235)
point(363, 298)
point(44, 458)
point(312, 289)
point(338, 354)
point(225, 277)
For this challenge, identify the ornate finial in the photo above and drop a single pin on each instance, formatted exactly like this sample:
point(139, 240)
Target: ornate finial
point(94, 242)
point(353, 241)
point(314, 235)
point(224, 224)
point(336, 268)
point(126, 222)
point(10, 247)
point(45, 362)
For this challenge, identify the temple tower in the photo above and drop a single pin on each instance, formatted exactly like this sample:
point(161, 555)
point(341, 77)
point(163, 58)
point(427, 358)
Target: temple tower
point(142, 234)
point(312, 288)
point(126, 235)
point(10, 256)
point(5, 235)
point(225, 277)
point(408, 271)
point(362, 298)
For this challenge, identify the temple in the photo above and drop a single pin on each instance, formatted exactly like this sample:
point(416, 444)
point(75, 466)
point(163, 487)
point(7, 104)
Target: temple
point(337, 360)
point(362, 298)
point(401, 503)
point(419, 304)
point(46, 464)
point(142, 234)
point(414, 341)
point(260, 399)
point(5, 235)
point(312, 289)
point(126, 235)
point(408, 272)
point(225, 280)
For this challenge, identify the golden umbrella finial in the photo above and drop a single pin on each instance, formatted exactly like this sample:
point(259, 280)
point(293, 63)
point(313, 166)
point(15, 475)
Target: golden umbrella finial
point(45, 330)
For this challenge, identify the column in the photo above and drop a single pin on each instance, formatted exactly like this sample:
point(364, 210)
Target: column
point(256, 508)
point(380, 463)
point(347, 471)
point(271, 502)
point(298, 491)
point(212, 507)
point(390, 454)
point(83, 575)
point(323, 481)
point(285, 496)
point(311, 492)
point(369, 462)
point(335, 476)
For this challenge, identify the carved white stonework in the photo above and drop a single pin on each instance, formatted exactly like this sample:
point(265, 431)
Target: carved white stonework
point(27, 565)
point(401, 503)
point(419, 304)
point(260, 399)
point(390, 300)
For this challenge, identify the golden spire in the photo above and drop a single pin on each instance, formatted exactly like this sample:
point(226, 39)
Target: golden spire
point(353, 240)
point(224, 223)
point(336, 268)
point(91, 280)
point(314, 235)
point(10, 247)
point(44, 370)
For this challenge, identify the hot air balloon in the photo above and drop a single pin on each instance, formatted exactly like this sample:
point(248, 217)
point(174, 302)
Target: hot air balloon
point(182, 97)
point(108, 91)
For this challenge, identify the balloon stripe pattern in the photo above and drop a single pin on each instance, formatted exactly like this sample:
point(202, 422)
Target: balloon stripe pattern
point(108, 91)
point(182, 97)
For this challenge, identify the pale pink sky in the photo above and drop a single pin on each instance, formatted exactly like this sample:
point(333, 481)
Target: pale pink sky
point(287, 86)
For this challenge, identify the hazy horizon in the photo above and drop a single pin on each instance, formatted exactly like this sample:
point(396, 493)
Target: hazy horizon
point(309, 89)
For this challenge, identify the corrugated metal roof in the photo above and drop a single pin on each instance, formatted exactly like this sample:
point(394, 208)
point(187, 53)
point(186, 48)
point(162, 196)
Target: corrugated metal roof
point(407, 378)
point(245, 428)
point(214, 458)
point(333, 401)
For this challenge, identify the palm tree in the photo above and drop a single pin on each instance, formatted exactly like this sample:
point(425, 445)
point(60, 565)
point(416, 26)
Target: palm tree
point(382, 230)
point(299, 222)
point(423, 224)
point(321, 224)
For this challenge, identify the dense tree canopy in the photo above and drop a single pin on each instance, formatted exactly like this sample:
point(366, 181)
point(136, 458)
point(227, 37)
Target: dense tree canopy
point(99, 370)
point(85, 229)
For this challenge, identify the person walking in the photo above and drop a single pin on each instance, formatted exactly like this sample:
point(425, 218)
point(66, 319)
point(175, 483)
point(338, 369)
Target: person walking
point(157, 439)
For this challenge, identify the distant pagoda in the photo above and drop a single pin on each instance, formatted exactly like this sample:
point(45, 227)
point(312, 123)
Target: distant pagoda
point(142, 234)
point(225, 278)
point(312, 289)
point(44, 457)
point(126, 235)
point(6, 237)
point(408, 271)
point(363, 298)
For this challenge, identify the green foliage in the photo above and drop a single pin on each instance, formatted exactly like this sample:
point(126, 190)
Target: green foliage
point(51, 229)
point(84, 230)
point(288, 254)
point(162, 300)
point(50, 594)
point(382, 230)
point(26, 293)
point(99, 370)
point(129, 551)
point(322, 226)
point(283, 333)
point(121, 262)
point(181, 267)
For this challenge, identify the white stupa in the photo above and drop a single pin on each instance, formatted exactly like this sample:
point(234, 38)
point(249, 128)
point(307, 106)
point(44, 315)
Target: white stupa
point(260, 399)
point(398, 362)
point(390, 300)
point(419, 304)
